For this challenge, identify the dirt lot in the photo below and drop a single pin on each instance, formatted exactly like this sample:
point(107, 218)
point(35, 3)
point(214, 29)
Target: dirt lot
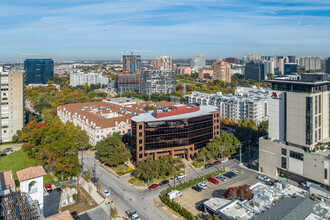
point(191, 198)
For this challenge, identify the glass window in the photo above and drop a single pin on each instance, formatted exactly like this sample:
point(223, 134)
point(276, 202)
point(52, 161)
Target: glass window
point(284, 151)
point(283, 162)
point(319, 103)
point(325, 173)
point(296, 155)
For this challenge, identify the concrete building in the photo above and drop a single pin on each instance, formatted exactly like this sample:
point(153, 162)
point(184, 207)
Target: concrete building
point(157, 81)
point(247, 102)
point(98, 119)
point(12, 109)
point(205, 73)
point(290, 69)
point(128, 82)
point(311, 63)
point(327, 65)
point(177, 131)
point(298, 139)
point(231, 60)
point(255, 70)
point(251, 57)
point(131, 63)
point(183, 71)
point(281, 66)
point(269, 67)
point(38, 70)
point(221, 71)
point(292, 59)
point(79, 79)
point(163, 63)
point(198, 62)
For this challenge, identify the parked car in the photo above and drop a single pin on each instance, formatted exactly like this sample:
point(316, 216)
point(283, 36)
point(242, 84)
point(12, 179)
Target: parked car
point(8, 149)
point(197, 188)
point(222, 178)
point(106, 193)
point(200, 207)
point(224, 160)
point(164, 182)
point(181, 175)
point(48, 188)
point(132, 214)
point(213, 180)
point(217, 162)
point(230, 175)
point(153, 186)
point(238, 171)
point(174, 194)
point(202, 185)
point(208, 165)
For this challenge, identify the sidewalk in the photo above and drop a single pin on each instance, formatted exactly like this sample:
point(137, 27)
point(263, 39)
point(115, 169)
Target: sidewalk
point(92, 190)
point(165, 209)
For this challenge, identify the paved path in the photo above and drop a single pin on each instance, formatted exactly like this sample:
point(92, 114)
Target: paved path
point(92, 190)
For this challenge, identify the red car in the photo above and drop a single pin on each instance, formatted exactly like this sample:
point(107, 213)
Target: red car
point(48, 188)
point(213, 180)
point(217, 162)
point(153, 186)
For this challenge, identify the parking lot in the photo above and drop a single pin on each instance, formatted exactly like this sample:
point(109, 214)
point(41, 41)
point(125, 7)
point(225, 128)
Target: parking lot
point(190, 198)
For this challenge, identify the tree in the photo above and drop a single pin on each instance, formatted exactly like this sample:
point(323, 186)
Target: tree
point(147, 169)
point(252, 124)
point(82, 139)
point(112, 150)
point(47, 115)
point(264, 125)
point(241, 192)
point(245, 122)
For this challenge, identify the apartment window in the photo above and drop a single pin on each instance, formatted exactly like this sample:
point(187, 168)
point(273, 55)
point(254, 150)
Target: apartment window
point(320, 134)
point(316, 136)
point(315, 104)
point(315, 121)
point(320, 122)
point(296, 155)
point(319, 103)
point(325, 173)
point(284, 151)
point(140, 134)
point(309, 120)
point(140, 127)
point(140, 155)
point(140, 141)
point(140, 148)
point(283, 162)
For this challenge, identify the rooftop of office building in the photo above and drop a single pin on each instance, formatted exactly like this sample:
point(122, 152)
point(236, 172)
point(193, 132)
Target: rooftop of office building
point(175, 112)
point(304, 78)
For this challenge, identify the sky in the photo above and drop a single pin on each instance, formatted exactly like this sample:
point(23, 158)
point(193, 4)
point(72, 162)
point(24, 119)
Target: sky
point(100, 29)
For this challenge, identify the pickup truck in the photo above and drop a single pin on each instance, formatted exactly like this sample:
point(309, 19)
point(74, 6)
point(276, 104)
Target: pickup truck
point(132, 214)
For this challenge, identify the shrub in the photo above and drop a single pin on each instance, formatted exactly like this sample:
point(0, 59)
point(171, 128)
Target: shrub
point(128, 170)
point(241, 192)
point(74, 196)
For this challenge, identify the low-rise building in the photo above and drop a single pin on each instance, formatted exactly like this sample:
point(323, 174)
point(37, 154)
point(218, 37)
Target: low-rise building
point(251, 103)
point(177, 131)
point(98, 119)
point(79, 79)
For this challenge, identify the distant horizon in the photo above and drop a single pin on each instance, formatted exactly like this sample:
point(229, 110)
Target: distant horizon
point(101, 29)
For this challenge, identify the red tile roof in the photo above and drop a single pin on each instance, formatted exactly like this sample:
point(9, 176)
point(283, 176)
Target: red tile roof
point(61, 216)
point(6, 180)
point(30, 173)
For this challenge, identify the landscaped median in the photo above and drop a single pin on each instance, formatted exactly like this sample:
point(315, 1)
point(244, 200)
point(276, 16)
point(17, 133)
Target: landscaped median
point(174, 205)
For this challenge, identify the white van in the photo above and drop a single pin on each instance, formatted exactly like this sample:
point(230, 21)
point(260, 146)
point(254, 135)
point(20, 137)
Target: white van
point(174, 194)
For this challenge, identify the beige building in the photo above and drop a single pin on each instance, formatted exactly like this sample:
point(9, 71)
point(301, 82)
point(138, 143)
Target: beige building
point(298, 141)
point(222, 71)
point(12, 104)
point(163, 63)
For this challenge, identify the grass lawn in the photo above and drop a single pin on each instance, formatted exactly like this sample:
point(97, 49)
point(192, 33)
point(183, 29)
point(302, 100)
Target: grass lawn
point(18, 161)
point(120, 168)
point(181, 81)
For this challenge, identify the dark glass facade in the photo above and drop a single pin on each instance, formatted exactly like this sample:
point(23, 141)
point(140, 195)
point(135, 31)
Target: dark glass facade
point(255, 70)
point(38, 71)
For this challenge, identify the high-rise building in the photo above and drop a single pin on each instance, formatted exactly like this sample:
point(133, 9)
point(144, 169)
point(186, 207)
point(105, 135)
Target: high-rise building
point(157, 81)
point(290, 68)
point(131, 63)
point(198, 62)
point(38, 71)
point(310, 63)
point(179, 130)
point(251, 57)
point(327, 65)
point(277, 58)
point(128, 82)
point(297, 143)
point(231, 60)
point(292, 59)
point(269, 67)
point(163, 63)
point(255, 70)
point(281, 66)
point(12, 104)
point(221, 71)
point(79, 79)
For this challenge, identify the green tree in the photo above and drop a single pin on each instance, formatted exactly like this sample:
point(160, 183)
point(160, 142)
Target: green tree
point(245, 122)
point(264, 125)
point(112, 150)
point(252, 124)
point(47, 115)
point(82, 139)
point(147, 169)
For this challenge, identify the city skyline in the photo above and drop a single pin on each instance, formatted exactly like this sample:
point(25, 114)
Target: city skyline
point(73, 30)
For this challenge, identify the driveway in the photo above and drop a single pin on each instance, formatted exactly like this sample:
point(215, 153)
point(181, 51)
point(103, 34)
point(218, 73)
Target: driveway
point(51, 202)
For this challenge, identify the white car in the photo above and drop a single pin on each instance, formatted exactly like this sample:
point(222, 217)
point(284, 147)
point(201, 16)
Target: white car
point(181, 175)
point(224, 160)
point(106, 193)
point(261, 178)
point(202, 185)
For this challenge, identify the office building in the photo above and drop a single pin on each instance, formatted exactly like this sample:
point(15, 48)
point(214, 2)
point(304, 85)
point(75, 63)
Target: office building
point(290, 68)
point(251, 103)
point(163, 63)
point(98, 119)
point(292, 59)
point(12, 109)
point(157, 81)
point(327, 65)
point(198, 62)
point(79, 79)
point(269, 67)
point(231, 60)
point(38, 71)
point(128, 82)
point(183, 71)
point(221, 71)
point(255, 70)
point(131, 63)
point(298, 139)
point(177, 131)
